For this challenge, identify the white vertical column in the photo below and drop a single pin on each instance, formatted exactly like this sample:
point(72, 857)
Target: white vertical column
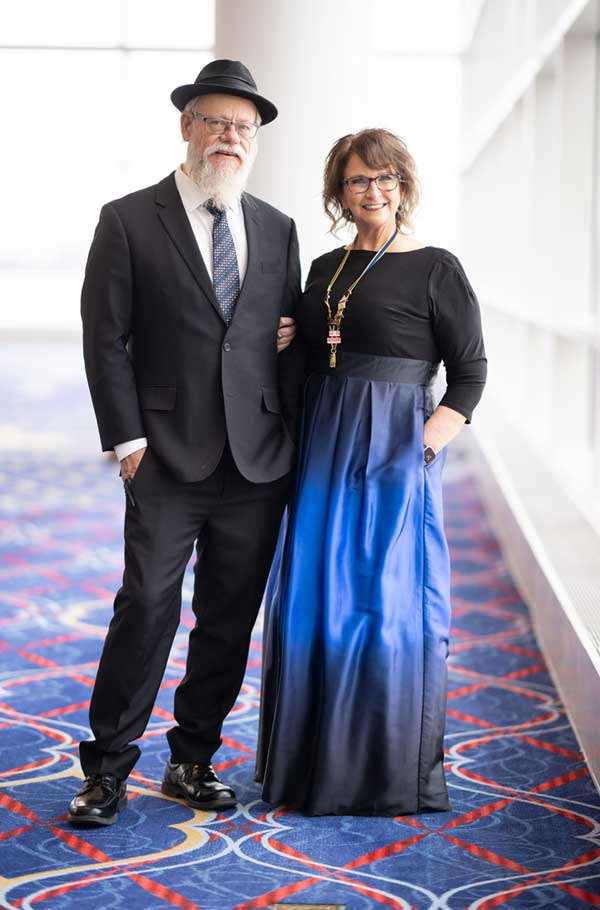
point(312, 60)
point(577, 172)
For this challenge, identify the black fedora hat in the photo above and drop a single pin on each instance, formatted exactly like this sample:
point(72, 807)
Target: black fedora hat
point(225, 77)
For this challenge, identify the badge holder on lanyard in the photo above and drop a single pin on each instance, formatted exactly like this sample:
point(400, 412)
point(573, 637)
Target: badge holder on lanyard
point(334, 323)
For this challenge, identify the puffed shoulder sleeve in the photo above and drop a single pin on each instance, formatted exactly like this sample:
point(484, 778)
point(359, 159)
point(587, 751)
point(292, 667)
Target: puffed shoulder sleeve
point(457, 329)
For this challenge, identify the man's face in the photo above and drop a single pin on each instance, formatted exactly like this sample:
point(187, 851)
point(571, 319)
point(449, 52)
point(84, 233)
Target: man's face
point(225, 151)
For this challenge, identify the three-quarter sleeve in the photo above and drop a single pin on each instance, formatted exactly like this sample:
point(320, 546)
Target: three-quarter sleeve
point(457, 329)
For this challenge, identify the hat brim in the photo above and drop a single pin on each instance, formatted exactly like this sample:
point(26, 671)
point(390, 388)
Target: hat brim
point(184, 93)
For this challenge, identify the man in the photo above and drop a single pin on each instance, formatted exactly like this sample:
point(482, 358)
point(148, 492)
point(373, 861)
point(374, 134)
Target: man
point(185, 285)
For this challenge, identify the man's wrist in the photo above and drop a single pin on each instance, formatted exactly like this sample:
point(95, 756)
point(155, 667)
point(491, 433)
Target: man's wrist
point(123, 449)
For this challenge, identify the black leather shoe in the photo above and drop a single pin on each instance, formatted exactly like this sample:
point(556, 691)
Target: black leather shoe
point(198, 785)
point(99, 801)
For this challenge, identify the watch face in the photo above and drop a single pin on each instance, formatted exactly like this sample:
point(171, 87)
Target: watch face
point(428, 454)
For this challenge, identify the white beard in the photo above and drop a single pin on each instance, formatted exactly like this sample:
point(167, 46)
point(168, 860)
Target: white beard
point(223, 181)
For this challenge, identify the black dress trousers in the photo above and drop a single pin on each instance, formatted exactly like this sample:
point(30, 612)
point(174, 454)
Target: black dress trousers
point(235, 525)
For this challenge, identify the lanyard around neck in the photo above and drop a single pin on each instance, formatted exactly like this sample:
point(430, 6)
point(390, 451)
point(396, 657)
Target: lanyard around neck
point(334, 326)
point(369, 266)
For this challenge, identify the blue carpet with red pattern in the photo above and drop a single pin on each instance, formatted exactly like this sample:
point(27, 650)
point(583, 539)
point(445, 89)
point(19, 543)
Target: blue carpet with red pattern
point(524, 831)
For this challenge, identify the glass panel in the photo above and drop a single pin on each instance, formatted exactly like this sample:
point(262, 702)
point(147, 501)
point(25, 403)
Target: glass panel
point(66, 23)
point(106, 23)
point(189, 23)
point(63, 155)
point(153, 146)
point(426, 27)
point(100, 125)
point(103, 126)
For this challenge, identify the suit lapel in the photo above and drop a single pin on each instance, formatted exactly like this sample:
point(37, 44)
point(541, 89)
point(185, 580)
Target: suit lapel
point(175, 221)
point(252, 224)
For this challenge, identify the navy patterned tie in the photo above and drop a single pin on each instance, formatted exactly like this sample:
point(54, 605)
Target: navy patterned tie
point(226, 277)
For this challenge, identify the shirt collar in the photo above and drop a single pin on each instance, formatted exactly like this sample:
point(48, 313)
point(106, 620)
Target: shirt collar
point(191, 194)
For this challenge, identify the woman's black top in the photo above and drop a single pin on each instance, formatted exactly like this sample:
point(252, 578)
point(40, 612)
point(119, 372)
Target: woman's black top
point(417, 304)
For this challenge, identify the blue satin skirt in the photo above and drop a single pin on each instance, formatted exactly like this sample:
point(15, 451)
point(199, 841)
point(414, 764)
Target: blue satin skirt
point(358, 604)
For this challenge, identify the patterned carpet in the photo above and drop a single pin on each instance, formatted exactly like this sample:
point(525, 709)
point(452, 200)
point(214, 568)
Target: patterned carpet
point(524, 831)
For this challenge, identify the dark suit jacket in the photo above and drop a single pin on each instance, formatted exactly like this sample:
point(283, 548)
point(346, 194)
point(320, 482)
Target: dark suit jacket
point(161, 361)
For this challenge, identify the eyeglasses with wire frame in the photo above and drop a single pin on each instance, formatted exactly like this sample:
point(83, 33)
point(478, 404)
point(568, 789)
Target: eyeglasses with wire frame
point(217, 125)
point(384, 182)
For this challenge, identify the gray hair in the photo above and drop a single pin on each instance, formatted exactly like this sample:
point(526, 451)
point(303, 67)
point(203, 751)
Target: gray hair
point(192, 106)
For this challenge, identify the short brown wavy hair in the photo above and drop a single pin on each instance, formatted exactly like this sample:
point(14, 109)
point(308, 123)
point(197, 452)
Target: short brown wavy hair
point(378, 148)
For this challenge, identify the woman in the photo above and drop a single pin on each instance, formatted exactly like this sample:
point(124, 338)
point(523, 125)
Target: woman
point(358, 610)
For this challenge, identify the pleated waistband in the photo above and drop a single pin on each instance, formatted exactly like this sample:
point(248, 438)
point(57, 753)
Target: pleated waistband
point(376, 368)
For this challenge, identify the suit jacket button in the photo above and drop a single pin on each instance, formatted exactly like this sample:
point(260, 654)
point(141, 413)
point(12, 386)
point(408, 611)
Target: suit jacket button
point(226, 346)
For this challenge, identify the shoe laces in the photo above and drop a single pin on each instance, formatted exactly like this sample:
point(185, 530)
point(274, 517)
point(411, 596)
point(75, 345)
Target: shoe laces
point(195, 769)
point(105, 780)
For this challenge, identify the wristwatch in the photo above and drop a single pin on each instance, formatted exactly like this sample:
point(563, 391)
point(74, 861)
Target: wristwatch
point(428, 454)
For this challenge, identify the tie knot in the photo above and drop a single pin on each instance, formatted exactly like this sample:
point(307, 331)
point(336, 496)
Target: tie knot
point(212, 208)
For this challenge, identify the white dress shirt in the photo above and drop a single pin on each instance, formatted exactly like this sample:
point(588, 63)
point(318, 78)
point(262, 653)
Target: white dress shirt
point(201, 222)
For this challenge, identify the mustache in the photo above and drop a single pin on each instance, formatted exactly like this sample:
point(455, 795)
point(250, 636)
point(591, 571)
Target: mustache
point(226, 147)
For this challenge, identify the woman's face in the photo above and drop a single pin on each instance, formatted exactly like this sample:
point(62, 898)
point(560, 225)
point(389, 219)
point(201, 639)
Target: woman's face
point(375, 206)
